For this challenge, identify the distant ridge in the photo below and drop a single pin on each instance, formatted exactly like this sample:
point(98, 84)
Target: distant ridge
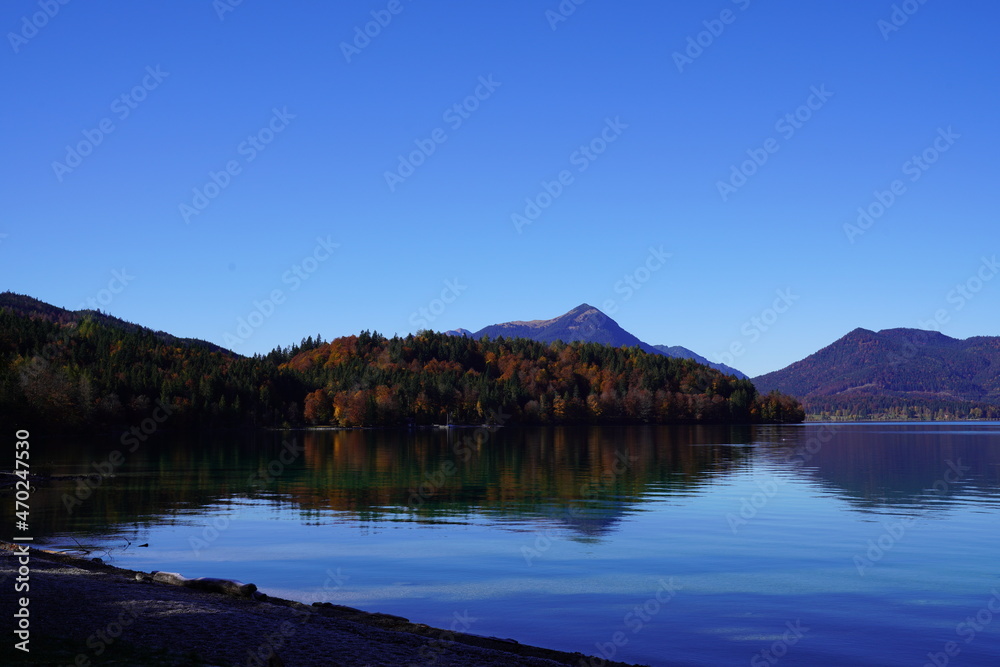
point(894, 366)
point(678, 352)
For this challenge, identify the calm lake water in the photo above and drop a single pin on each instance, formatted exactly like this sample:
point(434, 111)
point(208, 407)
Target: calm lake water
point(873, 544)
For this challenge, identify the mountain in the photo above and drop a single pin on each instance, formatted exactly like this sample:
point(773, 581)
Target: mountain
point(584, 323)
point(895, 369)
point(459, 332)
point(588, 324)
point(88, 372)
point(31, 307)
point(678, 352)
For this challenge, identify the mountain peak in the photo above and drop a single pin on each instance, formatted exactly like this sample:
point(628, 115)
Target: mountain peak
point(588, 324)
point(914, 366)
point(585, 323)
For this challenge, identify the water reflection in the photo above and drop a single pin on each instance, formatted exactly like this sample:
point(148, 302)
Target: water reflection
point(899, 467)
point(552, 536)
point(584, 479)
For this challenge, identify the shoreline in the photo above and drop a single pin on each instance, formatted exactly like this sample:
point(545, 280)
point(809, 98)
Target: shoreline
point(85, 612)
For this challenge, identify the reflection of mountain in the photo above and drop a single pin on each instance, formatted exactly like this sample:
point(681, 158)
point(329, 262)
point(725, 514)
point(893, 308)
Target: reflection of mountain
point(877, 467)
point(582, 479)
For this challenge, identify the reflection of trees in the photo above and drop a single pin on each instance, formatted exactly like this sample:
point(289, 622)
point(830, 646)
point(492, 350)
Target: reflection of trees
point(584, 479)
point(889, 467)
point(511, 472)
point(531, 474)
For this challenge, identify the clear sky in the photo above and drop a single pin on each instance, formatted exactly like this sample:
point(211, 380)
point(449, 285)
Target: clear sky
point(693, 165)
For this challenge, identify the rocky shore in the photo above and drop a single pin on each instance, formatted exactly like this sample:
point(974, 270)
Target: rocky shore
point(83, 612)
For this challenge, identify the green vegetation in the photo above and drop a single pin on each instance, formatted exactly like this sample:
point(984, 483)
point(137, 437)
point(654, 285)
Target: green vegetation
point(87, 371)
point(869, 407)
point(369, 379)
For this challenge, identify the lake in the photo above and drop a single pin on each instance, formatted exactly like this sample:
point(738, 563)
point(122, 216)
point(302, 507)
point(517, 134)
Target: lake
point(835, 544)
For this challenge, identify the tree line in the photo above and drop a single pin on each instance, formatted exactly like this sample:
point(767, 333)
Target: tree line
point(91, 374)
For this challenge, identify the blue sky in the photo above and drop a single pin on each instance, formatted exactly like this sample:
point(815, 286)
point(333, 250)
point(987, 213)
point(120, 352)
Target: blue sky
point(230, 164)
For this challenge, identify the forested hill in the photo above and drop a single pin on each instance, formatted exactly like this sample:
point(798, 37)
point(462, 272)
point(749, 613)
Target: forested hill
point(88, 372)
point(898, 374)
point(27, 306)
point(371, 379)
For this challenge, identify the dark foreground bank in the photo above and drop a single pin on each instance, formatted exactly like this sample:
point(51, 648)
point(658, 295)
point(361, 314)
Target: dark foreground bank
point(82, 613)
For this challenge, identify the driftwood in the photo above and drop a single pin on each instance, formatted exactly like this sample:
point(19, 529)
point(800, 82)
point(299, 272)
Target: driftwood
point(225, 586)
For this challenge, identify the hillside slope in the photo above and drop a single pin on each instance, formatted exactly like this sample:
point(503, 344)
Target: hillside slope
point(923, 369)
